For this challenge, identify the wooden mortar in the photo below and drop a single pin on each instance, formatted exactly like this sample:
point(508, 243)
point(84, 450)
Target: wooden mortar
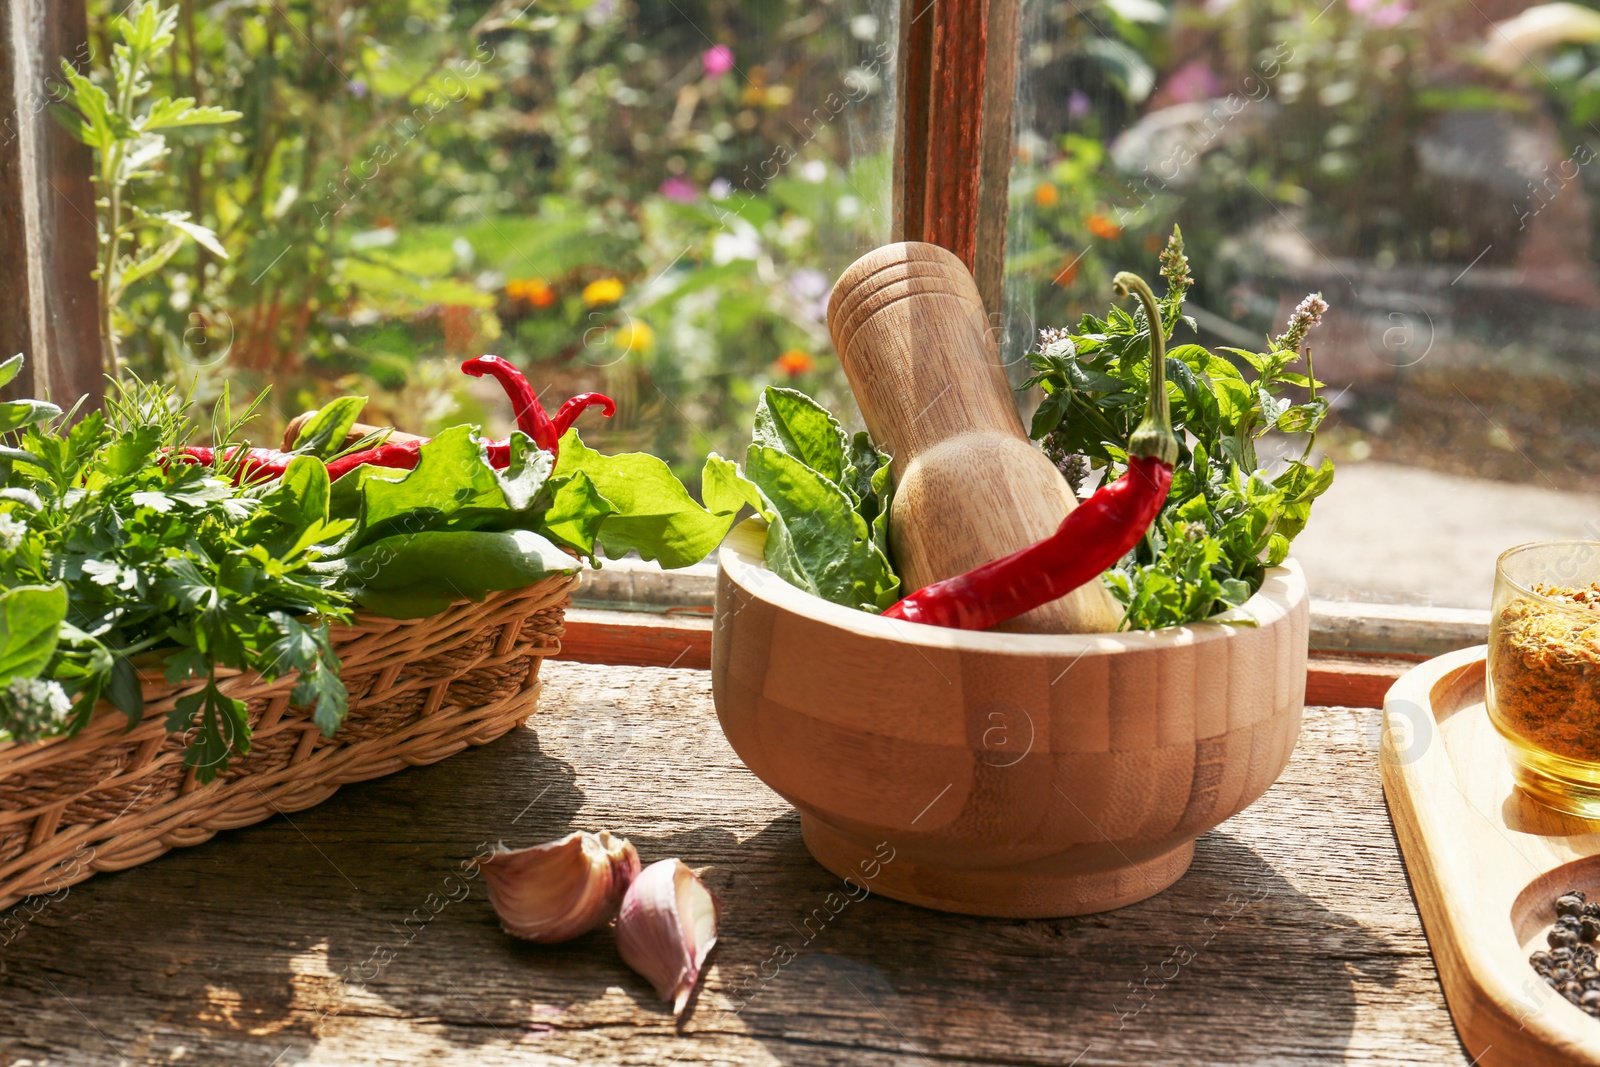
point(1021, 775)
point(970, 486)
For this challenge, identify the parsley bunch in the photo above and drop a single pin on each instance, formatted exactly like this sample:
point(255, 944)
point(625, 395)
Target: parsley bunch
point(1227, 517)
point(144, 561)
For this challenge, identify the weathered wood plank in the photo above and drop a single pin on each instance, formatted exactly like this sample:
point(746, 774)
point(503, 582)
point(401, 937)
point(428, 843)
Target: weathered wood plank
point(328, 937)
point(47, 231)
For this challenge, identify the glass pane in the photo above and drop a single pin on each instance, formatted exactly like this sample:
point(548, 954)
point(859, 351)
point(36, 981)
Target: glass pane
point(645, 198)
point(1426, 166)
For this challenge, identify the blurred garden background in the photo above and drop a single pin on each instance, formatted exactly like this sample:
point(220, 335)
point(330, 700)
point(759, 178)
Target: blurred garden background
point(652, 198)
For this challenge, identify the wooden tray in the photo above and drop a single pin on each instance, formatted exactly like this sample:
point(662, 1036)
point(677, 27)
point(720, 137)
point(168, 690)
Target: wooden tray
point(1486, 864)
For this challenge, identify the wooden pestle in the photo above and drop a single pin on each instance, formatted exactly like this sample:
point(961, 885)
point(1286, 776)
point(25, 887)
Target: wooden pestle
point(970, 486)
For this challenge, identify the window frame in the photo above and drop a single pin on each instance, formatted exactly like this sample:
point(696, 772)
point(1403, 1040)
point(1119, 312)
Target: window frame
point(956, 88)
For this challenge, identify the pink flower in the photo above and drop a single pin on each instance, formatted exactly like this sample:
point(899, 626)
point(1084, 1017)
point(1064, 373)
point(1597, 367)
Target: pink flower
point(1381, 15)
point(717, 60)
point(1195, 81)
point(680, 189)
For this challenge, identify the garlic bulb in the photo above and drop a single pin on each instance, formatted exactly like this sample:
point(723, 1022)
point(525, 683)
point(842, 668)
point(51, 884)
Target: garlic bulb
point(667, 927)
point(558, 890)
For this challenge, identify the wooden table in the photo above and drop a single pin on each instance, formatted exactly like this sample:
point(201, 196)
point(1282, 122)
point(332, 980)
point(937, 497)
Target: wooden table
point(331, 936)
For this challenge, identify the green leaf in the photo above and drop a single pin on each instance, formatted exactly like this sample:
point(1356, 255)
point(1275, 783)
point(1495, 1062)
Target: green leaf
point(655, 515)
point(15, 414)
point(864, 472)
point(1257, 360)
point(452, 482)
point(204, 235)
point(220, 725)
point(130, 451)
point(1235, 402)
point(816, 540)
point(293, 513)
point(461, 564)
point(166, 113)
point(9, 369)
point(1302, 418)
point(30, 625)
point(529, 468)
point(1277, 549)
point(797, 426)
point(147, 26)
point(74, 124)
point(143, 268)
point(726, 491)
point(124, 690)
point(323, 434)
point(96, 127)
point(576, 513)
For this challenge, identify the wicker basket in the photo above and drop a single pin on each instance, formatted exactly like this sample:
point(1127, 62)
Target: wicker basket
point(420, 690)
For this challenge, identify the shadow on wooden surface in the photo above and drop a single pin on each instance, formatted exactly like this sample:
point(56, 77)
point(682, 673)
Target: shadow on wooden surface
point(334, 938)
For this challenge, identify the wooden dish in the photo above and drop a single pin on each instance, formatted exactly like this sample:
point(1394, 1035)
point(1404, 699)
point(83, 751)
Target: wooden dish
point(1020, 775)
point(1486, 864)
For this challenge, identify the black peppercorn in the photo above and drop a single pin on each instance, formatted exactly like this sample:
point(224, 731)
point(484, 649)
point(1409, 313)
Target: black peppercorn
point(1570, 904)
point(1561, 937)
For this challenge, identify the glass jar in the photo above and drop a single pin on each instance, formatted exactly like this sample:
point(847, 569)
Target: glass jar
point(1544, 670)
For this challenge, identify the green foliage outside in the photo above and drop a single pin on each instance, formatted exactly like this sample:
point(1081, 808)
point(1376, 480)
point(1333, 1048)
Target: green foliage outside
point(650, 198)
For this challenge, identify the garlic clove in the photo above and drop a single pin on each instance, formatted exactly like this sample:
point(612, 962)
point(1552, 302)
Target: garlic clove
point(556, 891)
point(667, 927)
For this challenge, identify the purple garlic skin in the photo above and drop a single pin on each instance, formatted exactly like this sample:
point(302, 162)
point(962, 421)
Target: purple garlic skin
point(561, 889)
point(666, 929)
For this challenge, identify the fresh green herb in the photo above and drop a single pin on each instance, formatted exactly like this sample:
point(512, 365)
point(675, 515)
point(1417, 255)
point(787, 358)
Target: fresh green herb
point(123, 135)
point(454, 527)
point(1227, 519)
point(825, 496)
point(140, 557)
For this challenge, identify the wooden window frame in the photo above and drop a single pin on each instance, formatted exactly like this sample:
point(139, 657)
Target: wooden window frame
point(953, 150)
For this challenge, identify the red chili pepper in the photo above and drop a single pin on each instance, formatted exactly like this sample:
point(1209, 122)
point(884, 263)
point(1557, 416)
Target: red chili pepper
point(531, 420)
point(569, 412)
point(1089, 540)
point(257, 462)
point(401, 454)
point(530, 414)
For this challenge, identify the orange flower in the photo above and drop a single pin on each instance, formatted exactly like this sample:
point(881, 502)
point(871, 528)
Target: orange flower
point(795, 363)
point(459, 327)
point(1068, 272)
point(535, 292)
point(1046, 195)
point(1103, 228)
